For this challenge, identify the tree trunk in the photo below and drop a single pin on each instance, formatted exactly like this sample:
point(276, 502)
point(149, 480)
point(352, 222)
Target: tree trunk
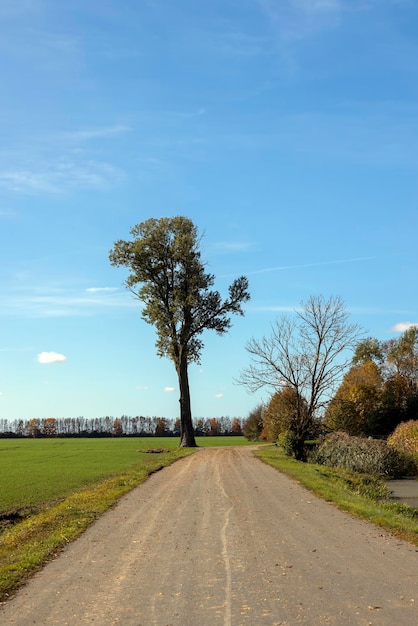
point(300, 449)
point(187, 439)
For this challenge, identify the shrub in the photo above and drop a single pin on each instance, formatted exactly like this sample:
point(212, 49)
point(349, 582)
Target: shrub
point(367, 456)
point(287, 440)
point(405, 437)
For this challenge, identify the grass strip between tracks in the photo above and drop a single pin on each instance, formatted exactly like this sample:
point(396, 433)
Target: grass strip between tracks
point(361, 495)
point(28, 545)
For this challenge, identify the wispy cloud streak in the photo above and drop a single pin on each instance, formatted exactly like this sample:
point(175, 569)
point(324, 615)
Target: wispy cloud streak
point(61, 177)
point(96, 133)
point(60, 303)
point(60, 162)
point(282, 268)
point(297, 19)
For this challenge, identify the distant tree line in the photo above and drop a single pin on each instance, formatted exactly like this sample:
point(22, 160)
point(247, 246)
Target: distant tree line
point(124, 426)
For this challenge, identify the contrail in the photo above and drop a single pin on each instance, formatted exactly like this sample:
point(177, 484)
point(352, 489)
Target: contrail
point(321, 263)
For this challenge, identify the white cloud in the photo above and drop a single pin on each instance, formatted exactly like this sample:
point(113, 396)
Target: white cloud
point(219, 395)
point(51, 357)
point(1, 393)
point(59, 163)
point(97, 133)
point(233, 246)
point(59, 177)
point(169, 389)
point(100, 289)
point(401, 327)
point(141, 388)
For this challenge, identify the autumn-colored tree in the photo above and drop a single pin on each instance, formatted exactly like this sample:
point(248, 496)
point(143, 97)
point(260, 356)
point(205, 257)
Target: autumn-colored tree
point(49, 427)
point(405, 437)
point(33, 428)
point(117, 428)
point(161, 427)
point(356, 405)
point(214, 427)
point(236, 428)
point(381, 390)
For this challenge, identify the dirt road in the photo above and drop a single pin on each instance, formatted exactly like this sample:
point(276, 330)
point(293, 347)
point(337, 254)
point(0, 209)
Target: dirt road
point(219, 538)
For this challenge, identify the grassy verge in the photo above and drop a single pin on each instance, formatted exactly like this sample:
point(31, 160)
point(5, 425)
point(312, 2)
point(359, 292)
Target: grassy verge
point(29, 544)
point(361, 495)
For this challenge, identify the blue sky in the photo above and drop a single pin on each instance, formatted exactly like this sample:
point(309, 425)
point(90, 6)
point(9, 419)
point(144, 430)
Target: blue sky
point(287, 130)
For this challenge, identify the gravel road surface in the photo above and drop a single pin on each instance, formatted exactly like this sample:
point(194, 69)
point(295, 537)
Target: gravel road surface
point(219, 538)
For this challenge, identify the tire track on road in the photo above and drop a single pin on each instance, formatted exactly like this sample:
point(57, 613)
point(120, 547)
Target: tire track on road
point(225, 552)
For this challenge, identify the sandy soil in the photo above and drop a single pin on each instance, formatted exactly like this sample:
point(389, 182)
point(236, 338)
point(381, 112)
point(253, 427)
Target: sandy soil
point(219, 538)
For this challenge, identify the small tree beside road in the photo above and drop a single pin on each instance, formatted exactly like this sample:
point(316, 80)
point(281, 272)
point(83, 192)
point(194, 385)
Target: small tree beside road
point(169, 277)
point(306, 353)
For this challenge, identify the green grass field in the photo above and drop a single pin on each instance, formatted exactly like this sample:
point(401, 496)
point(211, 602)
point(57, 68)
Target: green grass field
point(35, 472)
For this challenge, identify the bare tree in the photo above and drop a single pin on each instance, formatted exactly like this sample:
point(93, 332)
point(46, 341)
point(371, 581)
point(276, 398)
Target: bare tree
point(306, 352)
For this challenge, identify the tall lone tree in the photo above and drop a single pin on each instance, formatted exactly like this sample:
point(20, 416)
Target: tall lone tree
point(169, 277)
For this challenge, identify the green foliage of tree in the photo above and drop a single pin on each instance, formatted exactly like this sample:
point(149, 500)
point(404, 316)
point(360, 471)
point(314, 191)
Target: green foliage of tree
point(253, 424)
point(402, 356)
point(169, 277)
point(369, 349)
point(305, 352)
point(282, 412)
